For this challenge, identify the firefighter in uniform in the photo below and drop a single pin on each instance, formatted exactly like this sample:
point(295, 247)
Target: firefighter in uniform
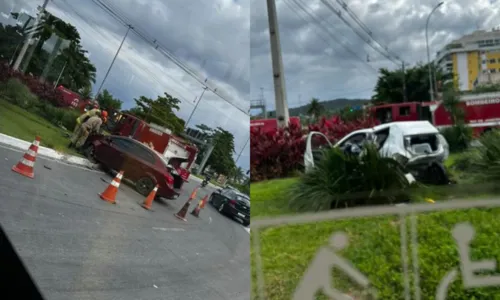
point(92, 125)
point(84, 117)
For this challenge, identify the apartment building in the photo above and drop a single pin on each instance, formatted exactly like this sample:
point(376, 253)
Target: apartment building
point(473, 59)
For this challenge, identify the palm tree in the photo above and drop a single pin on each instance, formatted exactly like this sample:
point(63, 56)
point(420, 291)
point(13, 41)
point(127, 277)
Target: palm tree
point(86, 92)
point(315, 108)
point(238, 174)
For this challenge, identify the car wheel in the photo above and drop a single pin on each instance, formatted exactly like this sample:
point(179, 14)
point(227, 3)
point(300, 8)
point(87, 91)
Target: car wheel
point(144, 186)
point(246, 224)
point(211, 199)
point(89, 153)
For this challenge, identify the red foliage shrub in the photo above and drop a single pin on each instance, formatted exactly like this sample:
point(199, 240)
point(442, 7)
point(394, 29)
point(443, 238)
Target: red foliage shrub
point(278, 154)
point(44, 90)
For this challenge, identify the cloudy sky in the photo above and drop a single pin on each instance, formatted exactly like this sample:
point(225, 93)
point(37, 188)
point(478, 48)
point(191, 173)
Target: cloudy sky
point(332, 63)
point(211, 37)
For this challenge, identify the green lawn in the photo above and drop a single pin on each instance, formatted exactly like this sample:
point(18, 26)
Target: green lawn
point(19, 123)
point(374, 244)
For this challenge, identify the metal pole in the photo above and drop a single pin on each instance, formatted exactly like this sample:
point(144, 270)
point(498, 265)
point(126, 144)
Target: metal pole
point(26, 45)
point(112, 62)
point(239, 155)
point(60, 74)
point(405, 97)
point(431, 89)
point(282, 113)
point(211, 147)
point(196, 105)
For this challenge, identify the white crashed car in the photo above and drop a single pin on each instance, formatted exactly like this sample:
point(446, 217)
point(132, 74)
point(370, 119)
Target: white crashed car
point(417, 145)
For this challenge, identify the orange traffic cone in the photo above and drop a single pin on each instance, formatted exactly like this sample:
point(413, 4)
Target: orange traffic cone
point(183, 211)
point(149, 199)
point(109, 194)
point(201, 204)
point(27, 163)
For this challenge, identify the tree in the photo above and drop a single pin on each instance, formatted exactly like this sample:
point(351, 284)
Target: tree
point(78, 73)
point(238, 174)
point(11, 40)
point(86, 93)
point(159, 111)
point(221, 160)
point(315, 108)
point(389, 87)
point(108, 102)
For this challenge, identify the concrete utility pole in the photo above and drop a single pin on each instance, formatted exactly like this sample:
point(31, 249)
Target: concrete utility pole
point(405, 97)
point(205, 88)
point(210, 148)
point(27, 43)
point(239, 155)
point(282, 113)
point(112, 62)
point(431, 88)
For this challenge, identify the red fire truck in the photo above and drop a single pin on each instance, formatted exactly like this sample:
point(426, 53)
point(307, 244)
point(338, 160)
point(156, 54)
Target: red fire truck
point(74, 100)
point(482, 112)
point(159, 138)
point(268, 125)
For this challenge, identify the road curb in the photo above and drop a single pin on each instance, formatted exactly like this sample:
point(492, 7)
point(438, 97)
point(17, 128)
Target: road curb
point(45, 152)
point(19, 144)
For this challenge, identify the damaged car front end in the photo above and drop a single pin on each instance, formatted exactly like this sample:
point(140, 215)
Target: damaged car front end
point(417, 146)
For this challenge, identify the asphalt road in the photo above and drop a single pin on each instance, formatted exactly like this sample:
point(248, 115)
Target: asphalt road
point(77, 246)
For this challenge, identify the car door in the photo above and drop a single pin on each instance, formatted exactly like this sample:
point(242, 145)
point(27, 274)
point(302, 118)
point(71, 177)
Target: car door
point(111, 153)
point(314, 153)
point(138, 162)
point(221, 197)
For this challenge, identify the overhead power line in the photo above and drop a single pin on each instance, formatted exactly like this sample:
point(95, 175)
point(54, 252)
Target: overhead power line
point(162, 50)
point(383, 50)
point(318, 23)
point(366, 39)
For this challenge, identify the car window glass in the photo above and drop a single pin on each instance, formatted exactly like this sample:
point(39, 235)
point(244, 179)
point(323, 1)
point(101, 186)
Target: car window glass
point(142, 153)
point(121, 144)
point(355, 139)
point(229, 194)
point(381, 137)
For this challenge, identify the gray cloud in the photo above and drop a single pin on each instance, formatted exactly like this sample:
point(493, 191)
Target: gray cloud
point(316, 65)
point(212, 38)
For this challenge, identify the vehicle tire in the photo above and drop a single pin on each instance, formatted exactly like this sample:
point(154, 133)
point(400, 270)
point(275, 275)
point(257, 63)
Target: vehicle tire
point(211, 200)
point(89, 153)
point(144, 185)
point(246, 224)
point(437, 175)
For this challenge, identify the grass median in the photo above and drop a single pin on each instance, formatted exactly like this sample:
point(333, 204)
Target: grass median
point(22, 124)
point(374, 243)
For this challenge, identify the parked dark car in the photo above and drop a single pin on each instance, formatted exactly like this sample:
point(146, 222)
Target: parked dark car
point(232, 203)
point(142, 165)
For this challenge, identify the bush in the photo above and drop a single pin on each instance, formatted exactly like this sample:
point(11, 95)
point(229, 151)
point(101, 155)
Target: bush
point(340, 180)
point(43, 90)
point(275, 154)
point(280, 154)
point(17, 93)
point(59, 116)
point(486, 165)
point(458, 137)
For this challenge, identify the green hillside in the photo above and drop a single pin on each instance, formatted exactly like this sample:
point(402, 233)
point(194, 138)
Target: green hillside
point(331, 105)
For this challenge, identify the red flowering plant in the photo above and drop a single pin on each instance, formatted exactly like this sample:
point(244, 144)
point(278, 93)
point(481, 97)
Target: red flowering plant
point(278, 154)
